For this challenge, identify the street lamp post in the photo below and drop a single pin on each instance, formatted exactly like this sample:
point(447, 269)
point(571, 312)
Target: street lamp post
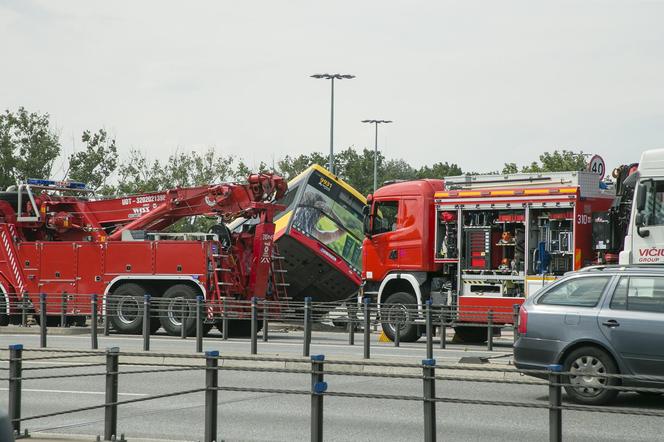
point(332, 77)
point(376, 123)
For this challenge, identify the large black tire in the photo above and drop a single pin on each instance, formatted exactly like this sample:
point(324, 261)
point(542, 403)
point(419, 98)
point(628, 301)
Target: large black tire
point(180, 299)
point(239, 328)
point(124, 308)
point(589, 390)
point(469, 335)
point(399, 308)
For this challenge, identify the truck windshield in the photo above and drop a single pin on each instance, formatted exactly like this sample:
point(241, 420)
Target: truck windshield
point(654, 210)
point(334, 219)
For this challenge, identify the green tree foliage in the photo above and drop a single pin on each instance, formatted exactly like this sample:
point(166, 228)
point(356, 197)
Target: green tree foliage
point(28, 146)
point(439, 170)
point(183, 169)
point(510, 168)
point(138, 175)
point(96, 162)
point(356, 168)
point(290, 167)
point(557, 161)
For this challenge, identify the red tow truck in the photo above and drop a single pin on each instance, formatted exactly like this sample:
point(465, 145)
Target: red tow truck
point(57, 240)
point(480, 243)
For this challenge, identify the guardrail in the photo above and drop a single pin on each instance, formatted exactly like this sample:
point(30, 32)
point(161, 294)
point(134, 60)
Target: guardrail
point(320, 371)
point(200, 315)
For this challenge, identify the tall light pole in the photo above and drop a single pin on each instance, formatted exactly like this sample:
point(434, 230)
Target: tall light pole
point(376, 123)
point(332, 77)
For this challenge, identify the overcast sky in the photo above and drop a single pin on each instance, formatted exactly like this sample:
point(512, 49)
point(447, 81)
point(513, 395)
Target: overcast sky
point(475, 83)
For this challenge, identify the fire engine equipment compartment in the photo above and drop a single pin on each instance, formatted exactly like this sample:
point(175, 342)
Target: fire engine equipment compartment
point(551, 245)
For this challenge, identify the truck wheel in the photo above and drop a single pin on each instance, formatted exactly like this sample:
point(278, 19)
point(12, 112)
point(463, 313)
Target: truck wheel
point(125, 309)
point(179, 300)
point(469, 335)
point(400, 308)
point(589, 390)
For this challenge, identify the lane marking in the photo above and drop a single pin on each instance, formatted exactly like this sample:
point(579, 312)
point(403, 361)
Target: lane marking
point(36, 390)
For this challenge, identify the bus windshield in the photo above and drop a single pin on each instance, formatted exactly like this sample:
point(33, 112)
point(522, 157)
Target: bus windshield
point(333, 216)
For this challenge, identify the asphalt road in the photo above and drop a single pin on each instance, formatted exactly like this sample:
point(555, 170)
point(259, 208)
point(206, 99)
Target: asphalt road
point(281, 342)
point(263, 416)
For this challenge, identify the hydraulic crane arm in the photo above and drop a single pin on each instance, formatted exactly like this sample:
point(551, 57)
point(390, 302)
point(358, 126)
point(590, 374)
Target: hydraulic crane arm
point(108, 218)
point(225, 200)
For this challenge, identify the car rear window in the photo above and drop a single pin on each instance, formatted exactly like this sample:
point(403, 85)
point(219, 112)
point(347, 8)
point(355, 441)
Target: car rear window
point(577, 292)
point(639, 293)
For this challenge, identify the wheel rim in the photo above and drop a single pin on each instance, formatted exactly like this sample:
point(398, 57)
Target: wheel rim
point(397, 314)
point(585, 375)
point(177, 307)
point(128, 310)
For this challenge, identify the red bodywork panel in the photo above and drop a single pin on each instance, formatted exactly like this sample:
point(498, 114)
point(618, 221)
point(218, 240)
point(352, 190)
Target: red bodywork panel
point(476, 309)
point(75, 248)
point(406, 247)
point(411, 247)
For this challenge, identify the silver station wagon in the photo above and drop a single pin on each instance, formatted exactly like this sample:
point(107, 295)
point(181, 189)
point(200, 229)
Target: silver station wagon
point(599, 320)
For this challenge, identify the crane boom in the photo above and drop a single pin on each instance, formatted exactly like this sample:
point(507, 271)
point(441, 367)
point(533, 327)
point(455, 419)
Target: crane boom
point(73, 218)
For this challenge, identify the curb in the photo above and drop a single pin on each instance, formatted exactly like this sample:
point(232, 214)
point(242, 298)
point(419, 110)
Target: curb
point(349, 365)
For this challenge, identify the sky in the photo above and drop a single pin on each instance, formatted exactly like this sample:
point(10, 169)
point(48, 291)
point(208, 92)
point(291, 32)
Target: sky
point(477, 83)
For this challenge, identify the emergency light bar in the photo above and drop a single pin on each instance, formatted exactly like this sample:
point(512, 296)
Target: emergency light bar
point(53, 183)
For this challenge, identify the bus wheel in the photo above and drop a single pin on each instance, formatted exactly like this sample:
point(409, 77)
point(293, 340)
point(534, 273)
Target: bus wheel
point(400, 308)
point(125, 309)
point(469, 335)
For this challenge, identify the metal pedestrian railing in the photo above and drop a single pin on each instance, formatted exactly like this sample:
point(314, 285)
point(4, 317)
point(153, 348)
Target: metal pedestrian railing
point(322, 373)
point(195, 317)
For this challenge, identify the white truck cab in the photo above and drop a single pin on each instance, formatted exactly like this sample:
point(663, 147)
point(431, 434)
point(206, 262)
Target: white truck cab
point(644, 242)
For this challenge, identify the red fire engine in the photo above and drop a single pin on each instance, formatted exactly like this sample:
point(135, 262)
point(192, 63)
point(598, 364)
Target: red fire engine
point(56, 240)
point(484, 242)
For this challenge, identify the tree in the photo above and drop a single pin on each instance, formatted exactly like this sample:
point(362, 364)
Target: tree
point(137, 175)
point(95, 164)
point(510, 168)
point(290, 167)
point(28, 146)
point(439, 170)
point(558, 161)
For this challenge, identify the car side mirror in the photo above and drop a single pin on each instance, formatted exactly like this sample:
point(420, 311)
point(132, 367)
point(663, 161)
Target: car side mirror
point(639, 222)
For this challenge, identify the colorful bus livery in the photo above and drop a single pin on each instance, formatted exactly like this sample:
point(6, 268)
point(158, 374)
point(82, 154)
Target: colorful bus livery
point(320, 236)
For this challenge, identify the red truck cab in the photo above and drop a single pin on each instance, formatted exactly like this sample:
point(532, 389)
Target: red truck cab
point(397, 252)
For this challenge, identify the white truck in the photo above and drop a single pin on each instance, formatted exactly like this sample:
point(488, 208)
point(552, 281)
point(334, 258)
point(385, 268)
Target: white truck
point(644, 242)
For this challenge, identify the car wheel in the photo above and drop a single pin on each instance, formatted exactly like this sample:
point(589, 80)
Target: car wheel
point(399, 309)
point(585, 384)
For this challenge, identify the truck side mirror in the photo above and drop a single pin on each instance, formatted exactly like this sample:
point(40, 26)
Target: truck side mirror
point(367, 225)
point(640, 221)
point(641, 193)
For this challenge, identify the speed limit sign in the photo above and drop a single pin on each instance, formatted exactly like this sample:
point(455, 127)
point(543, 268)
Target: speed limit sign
point(596, 165)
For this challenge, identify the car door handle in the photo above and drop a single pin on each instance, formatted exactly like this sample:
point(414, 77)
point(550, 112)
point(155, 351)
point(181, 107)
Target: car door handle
point(611, 323)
